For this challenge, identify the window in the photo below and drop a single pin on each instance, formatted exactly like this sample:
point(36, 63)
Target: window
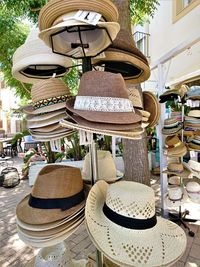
point(182, 7)
point(142, 42)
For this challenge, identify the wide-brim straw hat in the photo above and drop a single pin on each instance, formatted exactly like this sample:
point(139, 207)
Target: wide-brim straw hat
point(43, 117)
point(38, 207)
point(60, 39)
point(124, 57)
point(106, 167)
point(49, 121)
point(108, 103)
point(34, 61)
point(110, 207)
point(178, 169)
point(132, 134)
point(178, 200)
point(151, 105)
point(173, 130)
point(56, 8)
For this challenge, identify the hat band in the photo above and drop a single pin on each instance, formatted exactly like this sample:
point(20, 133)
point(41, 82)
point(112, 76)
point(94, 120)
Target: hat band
point(130, 223)
point(177, 199)
point(56, 203)
point(103, 104)
point(175, 145)
point(49, 101)
point(176, 171)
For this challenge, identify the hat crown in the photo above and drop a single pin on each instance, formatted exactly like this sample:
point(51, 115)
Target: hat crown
point(175, 167)
point(172, 140)
point(104, 84)
point(194, 165)
point(58, 181)
point(131, 199)
point(49, 88)
point(175, 192)
point(193, 187)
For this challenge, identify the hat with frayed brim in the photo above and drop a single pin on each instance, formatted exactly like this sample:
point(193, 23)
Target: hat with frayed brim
point(124, 57)
point(34, 61)
point(178, 169)
point(40, 206)
point(151, 105)
point(56, 8)
point(121, 220)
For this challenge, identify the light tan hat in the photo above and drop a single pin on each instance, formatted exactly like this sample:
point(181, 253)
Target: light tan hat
point(194, 113)
point(70, 37)
point(171, 127)
point(194, 167)
point(34, 61)
point(43, 117)
point(121, 220)
point(174, 180)
point(134, 96)
point(40, 206)
point(106, 167)
point(178, 169)
point(175, 196)
point(193, 191)
point(49, 121)
point(46, 138)
point(174, 147)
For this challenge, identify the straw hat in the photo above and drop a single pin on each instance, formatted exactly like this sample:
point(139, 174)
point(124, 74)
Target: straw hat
point(135, 96)
point(151, 105)
point(178, 169)
point(49, 95)
point(121, 220)
point(64, 36)
point(106, 167)
point(194, 93)
point(43, 117)
point(174, 93)
point(56, 8)
point(194, 167)
point(108, 103)
point(174, 180)
point(193, 190)
point(194, 113)
point(49, 121)
point(40, 207)
point(175, 196)
point(34, 61)
point(124, 57)
point(174, 147)
point(194, 143)
point(171, 127)
point(45, 137)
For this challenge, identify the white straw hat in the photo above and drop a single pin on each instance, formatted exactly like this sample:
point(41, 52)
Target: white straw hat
point(193, 191)
point(121, 220)
point(175, 197)
point(194, 167)
point(34, 61)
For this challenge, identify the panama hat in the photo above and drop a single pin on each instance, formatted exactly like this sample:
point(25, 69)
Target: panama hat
point(67, 34)
point(56, 8)
point(194, 167)
point(175, 196)
point(106, 167)
point(174, 147)
point(121, 220)
point(194, 113)
point(40, 206)
point(193, 191)
point(34, 61)
point(124, 57)
point(178, 169)
point(108, 103)
point(171, 126)
point(151, 105)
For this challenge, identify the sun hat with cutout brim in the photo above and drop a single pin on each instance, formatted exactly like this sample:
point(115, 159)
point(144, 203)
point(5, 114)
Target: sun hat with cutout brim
point(34, 61)
point(50, 121)
point(63, 35)
point(121, 220)
point(122, 56)
point(178, 169)
point(106, 167)
point(55, 8)
point(45, 116)
point(175, 197)
point(69, 123)
point(151, 105)
point(66, 183)
point(108, 103)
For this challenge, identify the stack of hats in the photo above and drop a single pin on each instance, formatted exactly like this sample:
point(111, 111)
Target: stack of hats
point(175, 196)
point(47, 110)
point(174, 147)
point(173, 94)
point(193, 119)
point(105, 110)
point(194, 143)
point(106, 167)
point(194, 167)
point(194, 93)
point(171, 127)
point(178, 169)
point(193, 191)
point(55, 207)
point(123, 225)
point(34, 61)
point(65, 26)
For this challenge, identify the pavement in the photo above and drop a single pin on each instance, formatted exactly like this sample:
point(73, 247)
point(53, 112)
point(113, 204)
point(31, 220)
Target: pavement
point(14, 253)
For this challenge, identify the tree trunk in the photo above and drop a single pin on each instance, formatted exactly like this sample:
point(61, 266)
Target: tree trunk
point(135, 152)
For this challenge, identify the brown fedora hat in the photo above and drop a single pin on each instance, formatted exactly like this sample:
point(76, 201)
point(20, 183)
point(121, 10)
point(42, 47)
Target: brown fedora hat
point(151, 105)
point(124, 57)
point(108, 103)
point(57, 193)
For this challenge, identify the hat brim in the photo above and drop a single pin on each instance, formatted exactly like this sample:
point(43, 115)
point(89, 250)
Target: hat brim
point(29, 109)
point(46, 116)
point(151, 105)
point(172, 131)
point(193, 146)
point(45, 138)
point(177, 150)
point(175, 203)
point(185, 174)
point(118, 177)
point(46, 129)
point(105, 117)
point(49, 121)
point(117, 244)
point(31, 215)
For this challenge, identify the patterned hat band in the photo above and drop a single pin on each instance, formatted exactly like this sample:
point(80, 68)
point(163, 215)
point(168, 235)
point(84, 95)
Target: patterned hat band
point(50, 101)
point(103, 104)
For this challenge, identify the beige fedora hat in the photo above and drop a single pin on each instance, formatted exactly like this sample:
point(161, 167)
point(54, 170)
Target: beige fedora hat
point(56, 8)
point(106, 167)
point(43, 117)
point(124, 57)
point(34, 61)
point(121, 220)
point(151, 105)
point(178, 169)
point(45, 138)
point(108, 103)
point(174, 146)
point(49, 121)
point(49, 95)
point(40, 206)
point(70, 37)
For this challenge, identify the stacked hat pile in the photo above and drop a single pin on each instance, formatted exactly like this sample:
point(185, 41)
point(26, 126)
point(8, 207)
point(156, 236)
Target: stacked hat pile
point(193, 119)
point(171, 127)
point(47, 110)
point(178, 169)
point(174, 147)
point(194, 143)
point(54, 208)
point(67, 27)
point(105, 110)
